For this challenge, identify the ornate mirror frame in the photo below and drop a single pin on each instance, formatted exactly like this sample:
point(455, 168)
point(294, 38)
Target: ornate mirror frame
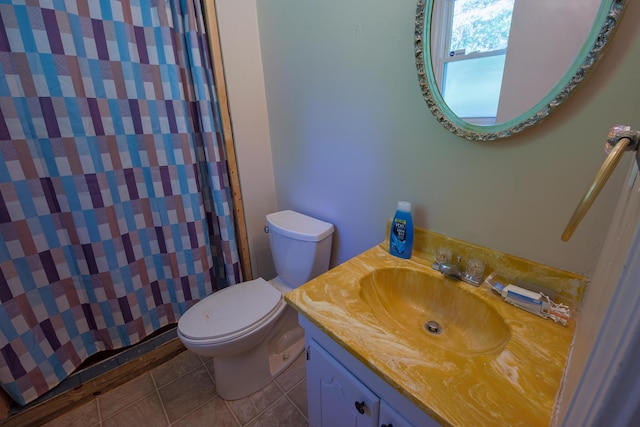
point(604, 26)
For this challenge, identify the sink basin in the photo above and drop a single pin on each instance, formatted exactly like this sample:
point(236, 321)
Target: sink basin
point(433, 311)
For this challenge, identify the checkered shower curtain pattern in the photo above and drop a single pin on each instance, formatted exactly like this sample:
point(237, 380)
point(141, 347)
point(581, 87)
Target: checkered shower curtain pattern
point(115, 208)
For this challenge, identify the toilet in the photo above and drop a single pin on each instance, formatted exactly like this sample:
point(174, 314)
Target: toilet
point(249, 330)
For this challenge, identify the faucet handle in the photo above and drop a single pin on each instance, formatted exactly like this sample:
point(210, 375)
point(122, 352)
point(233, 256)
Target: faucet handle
point(474, 272)
point(443, 255)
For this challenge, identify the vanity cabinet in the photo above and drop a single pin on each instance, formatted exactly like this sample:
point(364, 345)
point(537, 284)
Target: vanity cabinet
point(339, 398)
point(389, 417)
point(343, 392)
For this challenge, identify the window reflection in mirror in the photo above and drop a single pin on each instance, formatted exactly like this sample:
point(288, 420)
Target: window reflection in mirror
point(469, 45)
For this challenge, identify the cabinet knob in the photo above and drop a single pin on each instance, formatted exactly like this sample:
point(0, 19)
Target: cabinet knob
point(360, 407)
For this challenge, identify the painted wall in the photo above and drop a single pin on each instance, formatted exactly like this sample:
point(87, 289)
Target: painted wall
point(350, 135)
point(238, 27)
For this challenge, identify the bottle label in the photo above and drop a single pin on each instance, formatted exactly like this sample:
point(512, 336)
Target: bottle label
point(398, 236)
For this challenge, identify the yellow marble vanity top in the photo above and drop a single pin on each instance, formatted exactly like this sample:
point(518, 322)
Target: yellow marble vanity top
point(507, 383)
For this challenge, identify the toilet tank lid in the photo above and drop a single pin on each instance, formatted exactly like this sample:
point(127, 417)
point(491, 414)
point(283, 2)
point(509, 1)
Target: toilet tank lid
point(299, 226)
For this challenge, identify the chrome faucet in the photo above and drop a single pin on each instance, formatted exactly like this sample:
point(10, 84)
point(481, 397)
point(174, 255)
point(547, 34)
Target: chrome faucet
point(451, 270)
point(472, 275)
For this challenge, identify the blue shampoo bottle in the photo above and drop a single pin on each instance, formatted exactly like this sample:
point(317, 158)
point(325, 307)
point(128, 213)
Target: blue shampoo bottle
point(401, 238)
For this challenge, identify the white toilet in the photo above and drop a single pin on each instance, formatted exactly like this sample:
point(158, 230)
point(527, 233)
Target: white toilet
point(248, 328)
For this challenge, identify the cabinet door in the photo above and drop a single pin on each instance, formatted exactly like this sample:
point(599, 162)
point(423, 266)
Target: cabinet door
point(390, 418)
point(336, 397)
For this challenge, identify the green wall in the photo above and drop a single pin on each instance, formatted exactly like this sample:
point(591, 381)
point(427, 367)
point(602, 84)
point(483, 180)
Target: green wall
point(351, 135)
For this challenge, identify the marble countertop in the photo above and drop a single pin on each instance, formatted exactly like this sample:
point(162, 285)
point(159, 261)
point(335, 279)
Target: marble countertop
point(514, 385)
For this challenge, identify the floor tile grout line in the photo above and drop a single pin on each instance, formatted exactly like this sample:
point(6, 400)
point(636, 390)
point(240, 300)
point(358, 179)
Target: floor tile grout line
point(286, 392)
point(232, 413)
point(293, 403)
point(263, 411)
point(130, 404)
point(279, 386)
point(124, 408)
point(157, 390)
point(215, 394)
point(164, 411)
point(203, 363)
point(177, 378)
point(98, 411)
point(296, 407)
point(192, 411)
point(213, 378)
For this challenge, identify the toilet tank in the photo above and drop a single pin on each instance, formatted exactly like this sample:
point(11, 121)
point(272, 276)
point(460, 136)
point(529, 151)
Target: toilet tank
point(300, 245)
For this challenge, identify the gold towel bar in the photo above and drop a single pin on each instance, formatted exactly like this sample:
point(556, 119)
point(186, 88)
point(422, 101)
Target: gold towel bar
point(622, 140)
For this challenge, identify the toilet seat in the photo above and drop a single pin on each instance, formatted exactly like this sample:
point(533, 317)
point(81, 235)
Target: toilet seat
point(232, 312)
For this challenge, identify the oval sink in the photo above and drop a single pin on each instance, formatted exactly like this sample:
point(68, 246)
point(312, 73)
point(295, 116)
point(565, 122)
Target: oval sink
point(430, 310)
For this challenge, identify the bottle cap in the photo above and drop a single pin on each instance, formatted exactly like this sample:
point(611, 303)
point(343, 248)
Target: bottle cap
point(404, 206)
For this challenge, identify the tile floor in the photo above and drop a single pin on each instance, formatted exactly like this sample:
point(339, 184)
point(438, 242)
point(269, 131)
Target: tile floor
point(182, 392)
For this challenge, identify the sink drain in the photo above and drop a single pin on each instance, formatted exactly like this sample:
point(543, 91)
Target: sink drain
point(433, 327)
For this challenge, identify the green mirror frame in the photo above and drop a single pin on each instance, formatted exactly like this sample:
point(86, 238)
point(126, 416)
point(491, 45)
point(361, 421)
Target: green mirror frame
point(606, 22)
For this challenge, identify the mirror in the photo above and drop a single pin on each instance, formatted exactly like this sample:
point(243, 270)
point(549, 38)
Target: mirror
point(535, 76)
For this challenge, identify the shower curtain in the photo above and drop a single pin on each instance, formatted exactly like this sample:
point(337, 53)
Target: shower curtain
point(115, 207)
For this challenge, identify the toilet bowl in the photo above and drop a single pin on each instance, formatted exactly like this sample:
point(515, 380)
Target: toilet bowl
point(248, 328)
